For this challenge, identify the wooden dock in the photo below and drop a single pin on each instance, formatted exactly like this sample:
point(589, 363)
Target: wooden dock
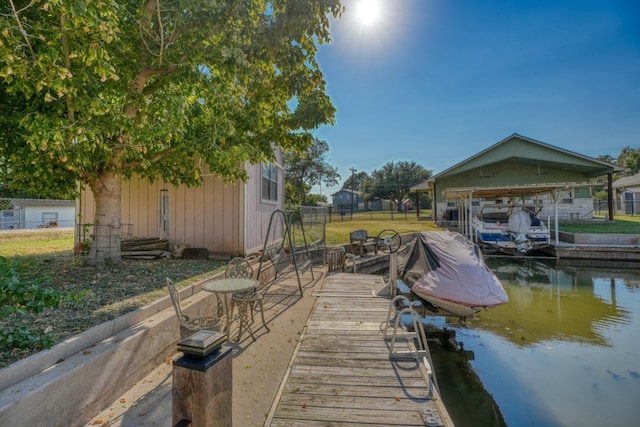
point(341, 373)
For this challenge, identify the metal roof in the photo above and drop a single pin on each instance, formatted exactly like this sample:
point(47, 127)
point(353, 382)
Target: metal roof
point(511, 191)
point(627, 181)
point(21, 203)
point(535, 153)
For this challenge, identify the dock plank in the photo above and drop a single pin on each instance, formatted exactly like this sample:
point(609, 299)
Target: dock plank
point(341, 372)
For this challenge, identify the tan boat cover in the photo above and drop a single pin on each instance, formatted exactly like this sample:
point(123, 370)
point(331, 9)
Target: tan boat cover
point(447, 266)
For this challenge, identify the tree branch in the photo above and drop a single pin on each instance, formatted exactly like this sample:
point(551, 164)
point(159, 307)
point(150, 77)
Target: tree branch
point(154, 159)
point(67, 62)
point(22, 30)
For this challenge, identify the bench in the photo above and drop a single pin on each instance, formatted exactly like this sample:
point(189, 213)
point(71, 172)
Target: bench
point(336, 259)
point(360, 239)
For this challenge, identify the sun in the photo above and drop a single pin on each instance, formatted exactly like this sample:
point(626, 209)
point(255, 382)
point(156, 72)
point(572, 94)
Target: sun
point(368, 12)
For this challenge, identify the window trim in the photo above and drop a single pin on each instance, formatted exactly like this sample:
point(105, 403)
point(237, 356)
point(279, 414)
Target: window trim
point(269, 173)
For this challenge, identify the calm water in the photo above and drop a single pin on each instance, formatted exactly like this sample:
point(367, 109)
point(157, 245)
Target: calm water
point(565, 350)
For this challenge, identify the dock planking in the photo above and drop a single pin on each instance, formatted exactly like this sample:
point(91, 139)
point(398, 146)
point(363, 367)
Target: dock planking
point(341, 373)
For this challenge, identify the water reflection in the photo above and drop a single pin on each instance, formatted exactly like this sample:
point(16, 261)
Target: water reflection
point(548, 303)
point(563, 351)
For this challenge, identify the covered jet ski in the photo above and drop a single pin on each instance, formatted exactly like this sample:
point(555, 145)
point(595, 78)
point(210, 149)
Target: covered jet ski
point(448, 272)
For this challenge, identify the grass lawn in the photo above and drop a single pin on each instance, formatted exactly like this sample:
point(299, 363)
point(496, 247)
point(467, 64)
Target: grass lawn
point(337, 232)
point(35, 242)
point(622, 224)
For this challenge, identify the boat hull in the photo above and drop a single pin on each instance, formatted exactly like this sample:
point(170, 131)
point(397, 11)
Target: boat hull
point(440, 307)
point(493, 230)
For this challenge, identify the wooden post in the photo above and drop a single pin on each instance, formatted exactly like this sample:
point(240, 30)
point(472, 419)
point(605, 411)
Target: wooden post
point(610, 195)
point(202, 390)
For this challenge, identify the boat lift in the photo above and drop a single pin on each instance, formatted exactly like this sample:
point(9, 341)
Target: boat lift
point(464, 200)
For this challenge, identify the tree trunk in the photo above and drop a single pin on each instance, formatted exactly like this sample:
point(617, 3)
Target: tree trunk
point(105, 247)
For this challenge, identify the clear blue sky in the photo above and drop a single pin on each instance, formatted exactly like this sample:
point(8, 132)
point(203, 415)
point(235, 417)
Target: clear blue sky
point(436, 81)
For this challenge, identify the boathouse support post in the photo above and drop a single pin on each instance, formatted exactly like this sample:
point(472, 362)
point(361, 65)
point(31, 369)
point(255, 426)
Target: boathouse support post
point(556, 195)
point(610, 195)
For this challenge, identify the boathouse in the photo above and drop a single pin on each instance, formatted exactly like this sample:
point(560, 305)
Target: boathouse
point(521, 169)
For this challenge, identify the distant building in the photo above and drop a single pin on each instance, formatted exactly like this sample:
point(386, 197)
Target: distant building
point(36, 213)
point(344, 200)
point(629, 197)
point(347, 201)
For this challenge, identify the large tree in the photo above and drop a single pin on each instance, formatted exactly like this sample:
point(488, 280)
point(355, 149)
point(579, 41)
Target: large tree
point(97, 90)
point(629, 159)
point(356, 181)
point(305, 169)
point(394, 181)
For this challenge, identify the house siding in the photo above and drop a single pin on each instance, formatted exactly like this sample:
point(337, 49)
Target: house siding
point(207, 216)
point(258, 211)
point(226, 219)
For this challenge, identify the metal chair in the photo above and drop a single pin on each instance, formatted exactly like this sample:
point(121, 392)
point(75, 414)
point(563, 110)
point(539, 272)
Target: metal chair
point(246, 301)
point(189, 326)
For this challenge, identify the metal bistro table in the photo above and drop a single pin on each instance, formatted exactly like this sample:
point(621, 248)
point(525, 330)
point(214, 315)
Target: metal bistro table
point(226, 288)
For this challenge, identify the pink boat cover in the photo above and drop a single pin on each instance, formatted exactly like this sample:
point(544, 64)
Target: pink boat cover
point(446, 265)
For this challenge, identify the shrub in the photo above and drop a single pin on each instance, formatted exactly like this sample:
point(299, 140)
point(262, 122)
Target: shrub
point(19, 298)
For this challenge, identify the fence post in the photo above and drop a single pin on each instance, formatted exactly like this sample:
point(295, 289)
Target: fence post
point(202, 388)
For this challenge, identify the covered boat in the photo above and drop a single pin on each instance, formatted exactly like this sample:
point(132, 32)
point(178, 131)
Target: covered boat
point(448, 272)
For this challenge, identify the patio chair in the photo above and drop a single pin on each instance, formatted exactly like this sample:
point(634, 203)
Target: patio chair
point(189, 326)
point(246, 301)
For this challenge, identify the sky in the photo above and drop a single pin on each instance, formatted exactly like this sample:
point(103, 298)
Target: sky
point(437, 81)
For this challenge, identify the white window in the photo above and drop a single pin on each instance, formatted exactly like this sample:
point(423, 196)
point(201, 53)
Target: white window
point(269, 182)
point(567, 198)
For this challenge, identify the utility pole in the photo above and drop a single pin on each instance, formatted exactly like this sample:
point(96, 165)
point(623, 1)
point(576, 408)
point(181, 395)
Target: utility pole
point(353, 184)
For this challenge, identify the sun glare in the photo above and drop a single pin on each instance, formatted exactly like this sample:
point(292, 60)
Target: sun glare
point(368, 12)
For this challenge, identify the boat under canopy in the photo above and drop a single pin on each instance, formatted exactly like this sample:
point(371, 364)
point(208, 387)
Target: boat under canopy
point(448, 272)
point(505, 226)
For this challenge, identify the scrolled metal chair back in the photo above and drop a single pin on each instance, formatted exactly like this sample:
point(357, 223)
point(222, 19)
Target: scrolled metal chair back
point(239, 268)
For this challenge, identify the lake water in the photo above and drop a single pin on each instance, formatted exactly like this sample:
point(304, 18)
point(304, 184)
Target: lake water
point(565, 350)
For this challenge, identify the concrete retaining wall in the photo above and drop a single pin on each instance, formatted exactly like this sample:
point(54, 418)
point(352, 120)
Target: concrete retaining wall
point(76, 379)
point(600, 239)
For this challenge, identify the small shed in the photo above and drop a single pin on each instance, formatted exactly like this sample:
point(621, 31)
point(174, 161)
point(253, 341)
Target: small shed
point(37, 213)
point(225, 219)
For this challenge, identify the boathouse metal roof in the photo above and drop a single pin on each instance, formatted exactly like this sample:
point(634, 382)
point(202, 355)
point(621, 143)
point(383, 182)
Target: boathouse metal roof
point(514, 191)
point(528, 151)
point(524, 163)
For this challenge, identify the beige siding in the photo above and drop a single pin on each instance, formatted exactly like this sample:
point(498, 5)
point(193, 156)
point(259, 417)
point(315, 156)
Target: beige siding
point(223, 218)
point(208, 216)
point(257, 211)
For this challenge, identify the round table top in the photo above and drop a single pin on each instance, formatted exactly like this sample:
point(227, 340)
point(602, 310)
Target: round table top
point(229, 284)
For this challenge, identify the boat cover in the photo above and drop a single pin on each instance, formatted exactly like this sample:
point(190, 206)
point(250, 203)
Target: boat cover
point(519, 222)
point(447, 266)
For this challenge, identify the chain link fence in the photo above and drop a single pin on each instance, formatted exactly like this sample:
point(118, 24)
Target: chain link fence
point(32, 224)
point(621, 207)
point(28, 225)
point(313, 220)
point(33, 214)
point(335, 214)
